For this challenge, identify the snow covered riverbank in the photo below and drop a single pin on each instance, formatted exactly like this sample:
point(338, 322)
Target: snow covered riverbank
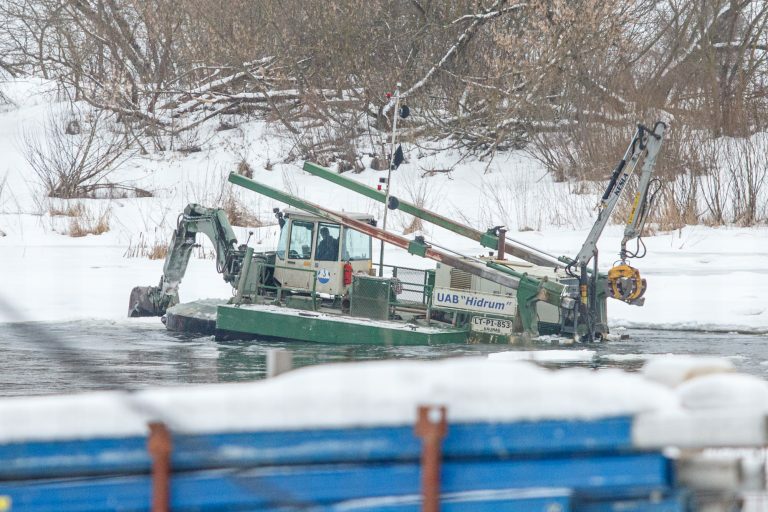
point(698, 277)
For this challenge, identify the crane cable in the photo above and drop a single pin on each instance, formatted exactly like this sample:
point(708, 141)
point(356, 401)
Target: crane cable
point(645, 209)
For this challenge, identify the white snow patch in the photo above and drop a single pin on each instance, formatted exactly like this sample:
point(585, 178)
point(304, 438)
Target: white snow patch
point(700, 428)
point(724, 391)
point(672, 369)
point(544, 356)
point(626, 357)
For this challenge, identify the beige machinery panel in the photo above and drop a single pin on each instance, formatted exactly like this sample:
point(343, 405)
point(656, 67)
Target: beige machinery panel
point(449, 277)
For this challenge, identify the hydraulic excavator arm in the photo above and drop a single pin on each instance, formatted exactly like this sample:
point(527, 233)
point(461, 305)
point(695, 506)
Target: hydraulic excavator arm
point(154, 300)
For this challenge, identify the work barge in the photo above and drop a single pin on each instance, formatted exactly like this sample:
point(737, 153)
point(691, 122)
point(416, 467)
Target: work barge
point(321, 284)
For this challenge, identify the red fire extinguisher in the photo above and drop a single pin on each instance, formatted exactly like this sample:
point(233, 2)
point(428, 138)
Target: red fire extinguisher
point(347, 274)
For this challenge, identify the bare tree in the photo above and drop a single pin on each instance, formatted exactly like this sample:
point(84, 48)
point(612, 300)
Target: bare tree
point(565, 78)
point(74, 157)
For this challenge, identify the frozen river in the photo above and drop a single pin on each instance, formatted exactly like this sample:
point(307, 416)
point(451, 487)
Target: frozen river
point(44, 358)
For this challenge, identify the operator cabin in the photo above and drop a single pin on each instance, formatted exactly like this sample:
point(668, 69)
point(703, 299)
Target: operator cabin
point(313, 249)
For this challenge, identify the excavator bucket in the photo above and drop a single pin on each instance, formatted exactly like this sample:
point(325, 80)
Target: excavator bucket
point(146, 301)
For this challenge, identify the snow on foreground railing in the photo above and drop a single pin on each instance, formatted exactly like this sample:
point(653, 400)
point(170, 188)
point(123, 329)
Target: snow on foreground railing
point(342, 437)
point(684, 389)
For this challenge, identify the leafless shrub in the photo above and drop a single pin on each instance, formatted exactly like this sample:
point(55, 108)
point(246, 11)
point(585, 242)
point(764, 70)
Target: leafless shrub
point(421, 193)
point(5, 102)
point(88, 224)
point(716, 189)
point(583, 152)
point(3, 183)
point(290, 185)
point(71, 166)
point(156, 249)
point(528, 201)
point(237, 213)
point(555, 153)
point(678, 204)
point(510, 203)
point(330, 141)
point(736, 190)
point(215, 191)
point(718, 181)
point(67, 209)
point(188, 141)
point(245, 169)
point(748, 172)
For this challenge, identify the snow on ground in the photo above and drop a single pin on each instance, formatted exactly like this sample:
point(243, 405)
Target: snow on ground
point(698, 277)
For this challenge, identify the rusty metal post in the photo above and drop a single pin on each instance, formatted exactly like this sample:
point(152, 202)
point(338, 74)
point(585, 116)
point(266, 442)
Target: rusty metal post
point(431, 427)
point(502, 243)
point(159, 446)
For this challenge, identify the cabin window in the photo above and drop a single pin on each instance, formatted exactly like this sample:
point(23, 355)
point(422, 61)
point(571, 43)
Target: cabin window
point(283, 243)
point(357, 246)
point(328, 242)
point(301, 240)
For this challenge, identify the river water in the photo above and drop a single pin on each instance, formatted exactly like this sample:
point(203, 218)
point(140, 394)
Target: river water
point(48, 358)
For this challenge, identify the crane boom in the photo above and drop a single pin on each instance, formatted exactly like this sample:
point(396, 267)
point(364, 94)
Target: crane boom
point(645, 145)
point(624, 282)
point(488, 238)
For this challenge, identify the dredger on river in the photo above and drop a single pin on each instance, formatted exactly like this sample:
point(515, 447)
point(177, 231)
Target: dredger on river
point(320, 285)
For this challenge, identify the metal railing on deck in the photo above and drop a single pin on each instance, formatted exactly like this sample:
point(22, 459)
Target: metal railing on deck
point(261, 289)
point(411, 287)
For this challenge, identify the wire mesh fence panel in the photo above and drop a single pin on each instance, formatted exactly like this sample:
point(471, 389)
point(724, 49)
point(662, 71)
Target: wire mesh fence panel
point(369, 297)
point(409, 286)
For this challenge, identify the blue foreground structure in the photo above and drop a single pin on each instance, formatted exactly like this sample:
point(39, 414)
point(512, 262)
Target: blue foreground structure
point(547, 466)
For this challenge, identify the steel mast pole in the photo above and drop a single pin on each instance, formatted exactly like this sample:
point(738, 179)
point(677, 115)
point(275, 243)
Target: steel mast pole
point(389, 175)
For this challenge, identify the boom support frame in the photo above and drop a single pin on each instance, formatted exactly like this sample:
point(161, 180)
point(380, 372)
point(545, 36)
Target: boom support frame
point(531, 291)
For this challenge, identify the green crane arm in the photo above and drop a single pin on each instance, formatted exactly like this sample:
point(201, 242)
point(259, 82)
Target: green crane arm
point(486, 238)
point(213, 223)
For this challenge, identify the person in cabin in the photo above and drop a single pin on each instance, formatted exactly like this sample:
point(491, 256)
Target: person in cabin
point(327, 247)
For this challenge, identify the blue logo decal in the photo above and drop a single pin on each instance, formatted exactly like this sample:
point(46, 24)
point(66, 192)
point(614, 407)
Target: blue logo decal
point(323, 276)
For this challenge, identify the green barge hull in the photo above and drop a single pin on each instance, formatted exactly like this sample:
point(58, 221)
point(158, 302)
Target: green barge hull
point(215, 317)
point(262, 321)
